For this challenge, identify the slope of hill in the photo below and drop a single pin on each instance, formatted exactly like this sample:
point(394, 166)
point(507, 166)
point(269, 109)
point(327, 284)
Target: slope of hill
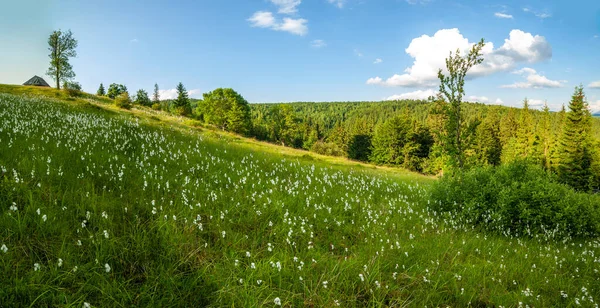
point(116, 208)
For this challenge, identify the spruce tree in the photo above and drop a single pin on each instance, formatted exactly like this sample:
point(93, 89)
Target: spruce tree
point(182, 102)
point(525, 138)
point(575, 152)
point(156, 95)
point(546, 137)
point(101, 91)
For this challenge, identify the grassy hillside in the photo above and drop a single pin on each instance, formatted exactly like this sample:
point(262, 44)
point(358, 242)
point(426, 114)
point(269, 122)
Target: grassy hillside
point(137, 208)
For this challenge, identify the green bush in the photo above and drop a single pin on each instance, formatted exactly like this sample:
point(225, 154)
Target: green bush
point(123, 101)
point(156, 106)
point(517, 199)
point(72, 88)
point(327, 148)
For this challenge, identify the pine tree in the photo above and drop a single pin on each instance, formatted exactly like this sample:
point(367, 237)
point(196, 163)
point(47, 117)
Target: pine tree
point(557, 129)
point(182, 102)
point(488, 146)
point(575, 152)
point(101, 91)
point(525, 138)
point(156, 95)
point(546, 137)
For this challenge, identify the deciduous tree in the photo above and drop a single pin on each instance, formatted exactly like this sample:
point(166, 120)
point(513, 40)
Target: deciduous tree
point(62, 47)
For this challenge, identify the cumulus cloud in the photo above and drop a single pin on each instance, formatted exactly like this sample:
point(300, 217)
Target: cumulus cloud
point(503, 15)
point(477, 99)
point(338, 3)
point(419, 94)
point(429, 54)
point(318, 43)
point(534, 80)
point(594, 85)
point(499, 101)
point(172, 93)
point(287, 6)
point(264, 19)
point(377, 61)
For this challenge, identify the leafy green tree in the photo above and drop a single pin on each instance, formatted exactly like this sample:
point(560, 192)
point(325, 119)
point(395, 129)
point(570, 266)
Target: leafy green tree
point(115, 90)
point(62, 47)
point(238, 118)
point(182, 102)
point(156, 95)
point(575, 152)
point(101, 91)
point(452, 89)
point(123, 100)
point(227, 110)
point(141, 98)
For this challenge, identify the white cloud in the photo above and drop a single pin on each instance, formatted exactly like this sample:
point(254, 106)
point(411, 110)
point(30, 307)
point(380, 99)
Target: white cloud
point(499, 101)
point(534, 80)
point(264, 19)
point(502, 15)
point(430, 52)
point(294, 26)
point(594, 85)
point(377, 61)
point(536, 103)
point(595, 106)
point(286, 6)
point(419, 94)
point(538, 14)
point(318, 43)
point(134, 40)
point(477, 99)
point(172, 93)
point(375, 80)
point(338, 3)
point(358, 53)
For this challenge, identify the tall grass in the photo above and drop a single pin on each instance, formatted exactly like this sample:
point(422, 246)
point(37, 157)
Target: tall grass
point(104, 209)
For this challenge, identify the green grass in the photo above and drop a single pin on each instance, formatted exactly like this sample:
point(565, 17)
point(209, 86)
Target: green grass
point(187, 216)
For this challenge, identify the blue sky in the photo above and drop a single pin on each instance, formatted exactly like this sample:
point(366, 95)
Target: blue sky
point(314, 50)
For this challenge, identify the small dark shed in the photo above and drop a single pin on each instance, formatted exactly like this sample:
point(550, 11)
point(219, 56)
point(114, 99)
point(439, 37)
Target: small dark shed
point(36, 81)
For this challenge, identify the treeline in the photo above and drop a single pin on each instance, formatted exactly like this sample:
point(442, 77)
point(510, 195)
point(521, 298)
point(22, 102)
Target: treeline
point(404, 133)
point(409, 133)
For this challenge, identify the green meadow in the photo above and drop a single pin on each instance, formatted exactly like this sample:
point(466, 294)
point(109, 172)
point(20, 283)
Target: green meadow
point(101, 207)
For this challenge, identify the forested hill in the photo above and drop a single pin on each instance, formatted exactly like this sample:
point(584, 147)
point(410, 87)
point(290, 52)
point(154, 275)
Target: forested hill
point(404, 132)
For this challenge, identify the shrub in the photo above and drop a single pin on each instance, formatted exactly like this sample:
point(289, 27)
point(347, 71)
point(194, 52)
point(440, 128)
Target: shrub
point(517, 199)
point(123, 101)
point(156, 106)
point(326, 148)
point(73, 88)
